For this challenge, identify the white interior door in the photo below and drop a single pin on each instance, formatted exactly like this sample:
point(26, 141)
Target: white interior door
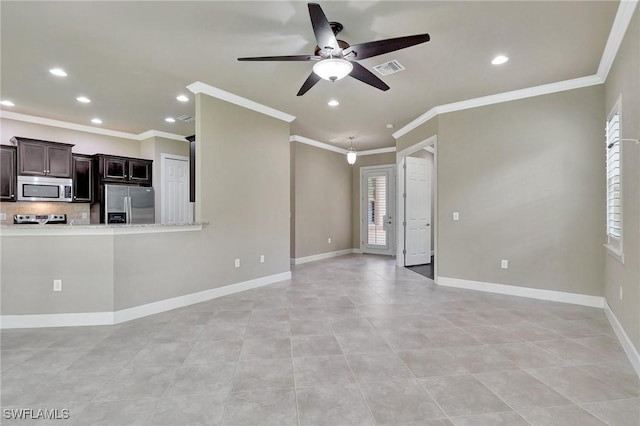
point(176, 208)
point(378, 200)
point(417, 211)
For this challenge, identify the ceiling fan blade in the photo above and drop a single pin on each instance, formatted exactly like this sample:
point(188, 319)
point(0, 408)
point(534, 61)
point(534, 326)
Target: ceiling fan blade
point(364, 75)
point(283, 58)
point(309, 83)
point(321, 28)
point(375, 48)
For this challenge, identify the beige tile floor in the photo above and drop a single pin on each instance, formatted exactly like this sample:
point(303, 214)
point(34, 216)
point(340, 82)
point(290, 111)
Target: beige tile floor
point(348, 341)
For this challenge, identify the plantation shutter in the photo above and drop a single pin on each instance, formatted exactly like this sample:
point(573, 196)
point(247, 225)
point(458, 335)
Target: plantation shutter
point(614, 212)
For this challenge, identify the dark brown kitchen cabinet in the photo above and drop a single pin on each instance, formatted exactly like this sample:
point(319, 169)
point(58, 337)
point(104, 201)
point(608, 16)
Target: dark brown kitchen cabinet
point(43, 158)
point(7, 173)
point(192, 168)
point(82, 178)
point(113, 169)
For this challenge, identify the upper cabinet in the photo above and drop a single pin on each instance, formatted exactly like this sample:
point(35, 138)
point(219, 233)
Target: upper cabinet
point(7, 173)
point(83, 178)
point(114, 169)
point(43, 158)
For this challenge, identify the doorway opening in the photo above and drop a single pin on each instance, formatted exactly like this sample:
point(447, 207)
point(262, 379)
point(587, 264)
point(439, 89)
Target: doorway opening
point(377, 198)
point(417, 230)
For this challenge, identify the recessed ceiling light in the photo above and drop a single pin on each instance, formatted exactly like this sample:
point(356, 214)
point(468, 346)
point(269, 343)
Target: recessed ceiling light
point(499, 60)
point(58, 72)
point(7, 103)
point(390, 126)
point(333, 102)
point(182, 98)
point(83, 99)
point(96, 121)
point(170, 120)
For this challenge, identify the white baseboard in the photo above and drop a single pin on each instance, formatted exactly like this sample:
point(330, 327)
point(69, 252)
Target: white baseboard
point(321, 256)
point(627, 345)
point(533, 293)
point(56, 320)
point(107, 318)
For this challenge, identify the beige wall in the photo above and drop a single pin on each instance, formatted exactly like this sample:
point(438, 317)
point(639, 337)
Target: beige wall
point(388, 158)
point(30, 264)
point(624, 80)
point(526, 177)
point(322, 196)
point(85, 143)
point(242, 183)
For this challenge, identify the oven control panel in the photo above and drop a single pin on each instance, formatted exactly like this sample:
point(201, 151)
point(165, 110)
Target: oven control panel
point(40, 219)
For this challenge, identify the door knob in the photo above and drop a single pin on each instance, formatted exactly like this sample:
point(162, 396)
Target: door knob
point(428, 224)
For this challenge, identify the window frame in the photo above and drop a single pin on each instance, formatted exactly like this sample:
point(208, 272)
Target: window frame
point(614, 243)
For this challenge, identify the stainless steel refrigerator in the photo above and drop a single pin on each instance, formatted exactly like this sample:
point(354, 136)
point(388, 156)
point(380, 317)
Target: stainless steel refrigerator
point(128, 204)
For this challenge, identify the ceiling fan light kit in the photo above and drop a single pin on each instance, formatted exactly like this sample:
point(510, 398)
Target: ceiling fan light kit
point(333, 68)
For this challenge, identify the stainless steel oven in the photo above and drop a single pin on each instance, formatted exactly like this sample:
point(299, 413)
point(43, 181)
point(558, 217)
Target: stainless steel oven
point(36, 188)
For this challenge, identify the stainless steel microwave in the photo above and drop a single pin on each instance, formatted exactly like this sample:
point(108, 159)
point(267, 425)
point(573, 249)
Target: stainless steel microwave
point(36, 188)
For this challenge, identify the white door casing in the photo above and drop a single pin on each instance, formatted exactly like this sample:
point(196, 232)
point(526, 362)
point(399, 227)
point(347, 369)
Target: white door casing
point(175, 206)
point(377, 198)
point(417, 211)
point(401, 156)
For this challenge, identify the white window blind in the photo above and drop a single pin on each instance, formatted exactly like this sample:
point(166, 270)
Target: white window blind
point(614, 207)
point(376, 210)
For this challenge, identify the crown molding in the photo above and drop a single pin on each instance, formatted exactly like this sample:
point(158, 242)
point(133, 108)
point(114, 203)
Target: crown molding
point(159, 134)
point(377, 151)
point(513, 95)
point(618, 30)
point(322, 145)
point(616, 35)
point(317, 144)
point(200, 87)
point(10, 115)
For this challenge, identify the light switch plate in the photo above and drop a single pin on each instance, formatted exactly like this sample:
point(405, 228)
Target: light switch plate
point(456, 216)
point(3, 216)
point(504, 264)
point(57, 285)
point(237, 263)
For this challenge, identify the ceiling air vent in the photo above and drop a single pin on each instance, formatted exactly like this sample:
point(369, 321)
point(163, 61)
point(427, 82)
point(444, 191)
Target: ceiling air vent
point(187, 118)
point(390, 67)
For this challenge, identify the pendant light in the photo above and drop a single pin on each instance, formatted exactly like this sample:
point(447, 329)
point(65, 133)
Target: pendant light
point(351, 153)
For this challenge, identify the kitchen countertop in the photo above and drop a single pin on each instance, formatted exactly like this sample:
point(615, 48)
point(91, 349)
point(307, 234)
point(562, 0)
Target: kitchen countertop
point(97, 229)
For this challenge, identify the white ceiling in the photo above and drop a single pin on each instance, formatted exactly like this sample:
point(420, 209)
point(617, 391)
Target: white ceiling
point(133, 58)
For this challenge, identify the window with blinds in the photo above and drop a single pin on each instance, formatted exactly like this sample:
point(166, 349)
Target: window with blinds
point(376, 210)
point(614, 194)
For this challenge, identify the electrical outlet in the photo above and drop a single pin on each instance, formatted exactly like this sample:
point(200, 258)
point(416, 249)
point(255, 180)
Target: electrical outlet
point(57, 285)
point(3, 216)
point(504, 264)
point(85, 215)
point(237, 263)
point(620, 292)
point(329, 241)
point(456, 216)
point(262, 258)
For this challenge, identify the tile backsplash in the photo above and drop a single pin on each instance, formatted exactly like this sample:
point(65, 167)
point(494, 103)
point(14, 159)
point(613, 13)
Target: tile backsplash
point(78, 212)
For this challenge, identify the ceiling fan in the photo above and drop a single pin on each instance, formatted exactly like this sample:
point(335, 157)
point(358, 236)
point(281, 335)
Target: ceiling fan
point(335, 59)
